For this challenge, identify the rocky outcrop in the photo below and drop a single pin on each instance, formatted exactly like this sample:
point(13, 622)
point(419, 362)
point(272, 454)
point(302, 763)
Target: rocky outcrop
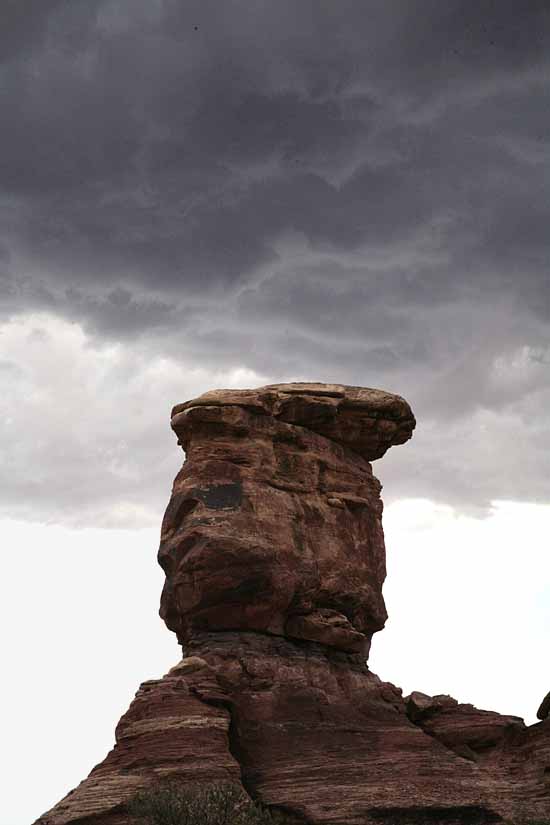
point(366, 420)
point(273, 551)
point(167, 733)
point(273, 526)
point(544, 710)
point(302, 726)
point(462, 728)
point(513, 759)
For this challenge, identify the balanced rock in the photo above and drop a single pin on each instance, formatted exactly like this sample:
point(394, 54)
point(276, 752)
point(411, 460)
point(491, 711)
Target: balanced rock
point(274, 524)
point(273, 551)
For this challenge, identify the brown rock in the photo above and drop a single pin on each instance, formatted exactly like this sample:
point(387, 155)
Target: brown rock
point(320, 735)
point(329, 628)
point(273, 550)
point(519, 772)
point(544, 711)
point(513, 760)
point(167, 733)
point(463, 728)
point(368, 421)
point(312, 731)
point(420, 705)
point(274, 527)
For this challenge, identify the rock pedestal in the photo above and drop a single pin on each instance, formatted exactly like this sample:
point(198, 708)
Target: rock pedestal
point(273, 551)
point(274, 525)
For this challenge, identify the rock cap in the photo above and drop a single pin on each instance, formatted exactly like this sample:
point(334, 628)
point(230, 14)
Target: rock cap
point(366, 420)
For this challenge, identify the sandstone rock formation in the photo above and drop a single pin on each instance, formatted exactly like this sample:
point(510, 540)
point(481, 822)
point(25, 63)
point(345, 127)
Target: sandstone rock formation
point(273, 526)
point(514, 760)
point(544, 710)
point(273, 550)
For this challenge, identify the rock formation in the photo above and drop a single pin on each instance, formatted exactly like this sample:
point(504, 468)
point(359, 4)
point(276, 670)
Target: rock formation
point(544, 710)
point(274, 524)
point(273, 551)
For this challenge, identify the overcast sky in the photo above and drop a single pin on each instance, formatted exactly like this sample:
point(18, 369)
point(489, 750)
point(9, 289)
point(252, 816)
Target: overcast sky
point(198, 194)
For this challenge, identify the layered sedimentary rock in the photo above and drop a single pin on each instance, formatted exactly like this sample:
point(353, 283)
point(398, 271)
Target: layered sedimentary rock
point(544, 710)
point(463, 728)
point(167, 733)
point(274, 556)
point(275, 526)
point(513, 759)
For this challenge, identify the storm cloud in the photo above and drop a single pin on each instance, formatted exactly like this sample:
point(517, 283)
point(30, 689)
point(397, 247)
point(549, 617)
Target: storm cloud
point(235, 192)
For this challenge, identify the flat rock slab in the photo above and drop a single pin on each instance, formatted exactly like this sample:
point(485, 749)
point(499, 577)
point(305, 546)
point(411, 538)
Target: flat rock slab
point(271, 527)
point(368, 421)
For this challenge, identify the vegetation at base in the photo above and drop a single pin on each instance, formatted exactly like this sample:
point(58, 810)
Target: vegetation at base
point(221, 803)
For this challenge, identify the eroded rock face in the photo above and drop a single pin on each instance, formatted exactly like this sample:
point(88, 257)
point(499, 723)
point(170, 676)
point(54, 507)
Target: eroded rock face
point(168, 733)
point(513, 760)
point(302, 726)
point(367, 420)
point(273, 550)
point(274, 524)
point(317, 733)
point(463, 728)
point(544, 710)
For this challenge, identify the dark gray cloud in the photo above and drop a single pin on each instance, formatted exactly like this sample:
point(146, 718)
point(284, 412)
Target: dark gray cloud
point(355, 191)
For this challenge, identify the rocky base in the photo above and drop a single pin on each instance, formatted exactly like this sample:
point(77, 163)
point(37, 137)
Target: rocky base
point(314, 732)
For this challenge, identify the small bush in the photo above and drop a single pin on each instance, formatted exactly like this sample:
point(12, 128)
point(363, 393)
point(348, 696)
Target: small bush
point(217, 804)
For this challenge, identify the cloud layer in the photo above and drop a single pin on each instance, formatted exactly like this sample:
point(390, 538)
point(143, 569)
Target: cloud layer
point(354, 192)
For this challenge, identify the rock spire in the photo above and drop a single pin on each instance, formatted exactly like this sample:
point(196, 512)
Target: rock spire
point(273, 551)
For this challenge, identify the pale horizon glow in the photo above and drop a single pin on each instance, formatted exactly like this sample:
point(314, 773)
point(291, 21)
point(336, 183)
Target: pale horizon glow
point(466, 617)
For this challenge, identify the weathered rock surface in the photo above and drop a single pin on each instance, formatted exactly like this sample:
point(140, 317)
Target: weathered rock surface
point(544, 710)
point(311, 731)
point(317, 733)
point(368, 421)
point(514, 760)
point(274, 556)
point(461, 727)
point(167, 733)
point(275, 526)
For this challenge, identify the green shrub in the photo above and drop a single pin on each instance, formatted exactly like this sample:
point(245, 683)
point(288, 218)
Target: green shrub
point(215, 804)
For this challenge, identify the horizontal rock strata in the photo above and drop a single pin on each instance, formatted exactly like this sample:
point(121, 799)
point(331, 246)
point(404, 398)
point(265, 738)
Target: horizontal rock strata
point(513, 759)
point(463, 728)
point(305, 728)
point(274, 526)
point(320, 735)
point(168, 733)
point(369, 421)
point(273, 551)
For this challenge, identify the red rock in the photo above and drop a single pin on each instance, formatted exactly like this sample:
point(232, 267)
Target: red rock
point(544, 710)
point(312, 731)
point(368, 421)
point(274, 556)
point(167, 733)
point(274, 527)
point(317, 733)
point(461, 727)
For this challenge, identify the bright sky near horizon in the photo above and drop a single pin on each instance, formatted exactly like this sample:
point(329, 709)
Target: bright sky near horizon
point(209, 194)
point(468, 617)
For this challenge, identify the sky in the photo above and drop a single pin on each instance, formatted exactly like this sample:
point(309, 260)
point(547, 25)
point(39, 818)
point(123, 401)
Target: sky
point(208, 194)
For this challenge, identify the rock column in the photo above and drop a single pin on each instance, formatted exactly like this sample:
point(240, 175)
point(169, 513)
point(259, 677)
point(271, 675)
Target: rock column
point(274, 525)
point(273, 551)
